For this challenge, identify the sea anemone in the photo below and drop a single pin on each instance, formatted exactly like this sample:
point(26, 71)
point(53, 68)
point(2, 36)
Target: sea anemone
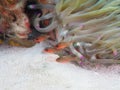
point(85, 29)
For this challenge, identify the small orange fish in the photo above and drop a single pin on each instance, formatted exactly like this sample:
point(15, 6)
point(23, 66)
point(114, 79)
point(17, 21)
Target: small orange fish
point(66, 59)
point(62, 45)
point(41, 38)
point(50, 50)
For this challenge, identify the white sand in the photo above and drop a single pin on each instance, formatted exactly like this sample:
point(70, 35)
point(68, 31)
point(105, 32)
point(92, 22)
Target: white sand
point(29, 69)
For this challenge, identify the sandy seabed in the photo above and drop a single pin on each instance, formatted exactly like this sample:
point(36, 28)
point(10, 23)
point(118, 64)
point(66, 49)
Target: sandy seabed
point(30, 69)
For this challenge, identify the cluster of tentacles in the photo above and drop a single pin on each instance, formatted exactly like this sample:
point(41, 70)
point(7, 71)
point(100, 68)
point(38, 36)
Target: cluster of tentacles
point(86, 31)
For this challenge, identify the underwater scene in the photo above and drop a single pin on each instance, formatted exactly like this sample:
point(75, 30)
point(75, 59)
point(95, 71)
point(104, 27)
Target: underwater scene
point(83, 31)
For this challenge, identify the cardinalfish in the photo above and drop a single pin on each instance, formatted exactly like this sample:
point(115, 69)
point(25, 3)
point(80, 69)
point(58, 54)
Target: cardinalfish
point(50, 50)
point(41, 38)
point(65, 59)
point(58, 47)
point(63, 45)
